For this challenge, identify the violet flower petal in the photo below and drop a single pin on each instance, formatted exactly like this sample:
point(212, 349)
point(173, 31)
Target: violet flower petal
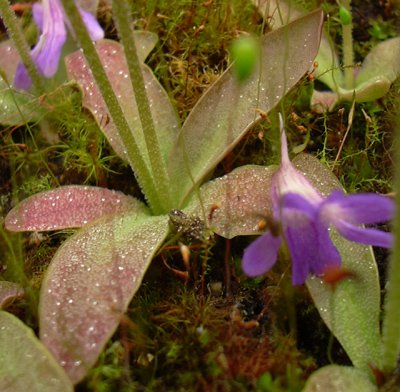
point(364, 236)
point(94, 29)
point(363, 208)
point(261, 255)
point(37, 13)
point(307, 238)
point(47, 51)
point(21, 77)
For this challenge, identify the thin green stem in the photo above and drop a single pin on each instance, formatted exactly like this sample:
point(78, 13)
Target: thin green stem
point(348, 52)
point(16, 34)
point(136, 159)
point(391, 321)
point(122, 18)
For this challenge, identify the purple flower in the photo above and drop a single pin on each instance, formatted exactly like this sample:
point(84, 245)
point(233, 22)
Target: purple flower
point(304, 216)
point(50, 18)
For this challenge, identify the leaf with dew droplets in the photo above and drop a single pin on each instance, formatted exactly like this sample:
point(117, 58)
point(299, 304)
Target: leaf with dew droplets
point(89, 284)
point(236, 203)
point(68, 207)
point(9, 291)
point(9, 59)
point(229, 109)
point(16, 106)
point(25, 363)
point(113, 59)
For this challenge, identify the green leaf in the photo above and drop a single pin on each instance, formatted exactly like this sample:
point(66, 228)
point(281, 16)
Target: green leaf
point(374, 88)
point(89, 284)
point(382, 62)
point(25, 363)
point(234, 204)
point(350, 310)
point(328, 68)
point(18, 107)
point(228, 109)
point(335, 378)
point(113, 60)
point(284, 11)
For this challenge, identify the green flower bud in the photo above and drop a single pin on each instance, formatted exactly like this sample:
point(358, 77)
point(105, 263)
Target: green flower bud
point(245, 52)
point(345, 16)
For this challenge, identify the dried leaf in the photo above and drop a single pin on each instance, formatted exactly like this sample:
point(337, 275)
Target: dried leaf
point(89, 284)
point(228, 109)
point(24, 361)
point(112, 57)
point(68, 207)
point(8, 292)
point(236, 203)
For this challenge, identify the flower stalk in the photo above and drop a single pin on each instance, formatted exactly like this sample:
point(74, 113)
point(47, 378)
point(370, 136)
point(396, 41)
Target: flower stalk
point(347, 41)
point(391, 320)
point(21, 45)
point(158, 166)
point(135, 157)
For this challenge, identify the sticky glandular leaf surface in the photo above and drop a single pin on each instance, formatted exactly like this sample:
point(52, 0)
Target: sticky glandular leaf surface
point(112, 57)
point(89, 284)
point(236, 203)
point(229, 108)
point(25, 363)
point(68, 207)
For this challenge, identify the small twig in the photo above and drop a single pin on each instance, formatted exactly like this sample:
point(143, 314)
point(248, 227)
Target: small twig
point(349, 124)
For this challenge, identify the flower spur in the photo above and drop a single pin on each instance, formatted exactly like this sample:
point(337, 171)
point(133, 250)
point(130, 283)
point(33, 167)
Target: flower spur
point(304, 216)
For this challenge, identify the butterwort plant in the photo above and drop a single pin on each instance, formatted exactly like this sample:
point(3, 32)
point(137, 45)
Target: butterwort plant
point(96, 272)
point(304, 217)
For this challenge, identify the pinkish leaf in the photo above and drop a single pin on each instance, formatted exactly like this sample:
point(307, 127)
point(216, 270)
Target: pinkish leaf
point(9, 59)
point(90, 283)
point(236, 203)
point(8, 292)
point(112, 57)
point(25, 363)
point(68, 207)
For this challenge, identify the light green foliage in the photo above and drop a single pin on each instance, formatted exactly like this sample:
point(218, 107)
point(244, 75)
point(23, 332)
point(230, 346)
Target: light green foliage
point(25, 361)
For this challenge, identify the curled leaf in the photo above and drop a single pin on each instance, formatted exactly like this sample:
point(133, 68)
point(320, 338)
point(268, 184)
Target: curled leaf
point(8, 292)
point(68, 207)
